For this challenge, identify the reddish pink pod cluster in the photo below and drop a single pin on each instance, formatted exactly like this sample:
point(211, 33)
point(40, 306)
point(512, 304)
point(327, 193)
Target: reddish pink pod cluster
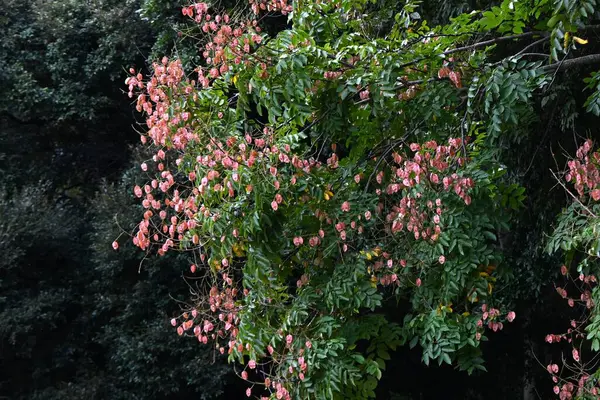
point(281, 6)
point(577, 384)
point(427, 166)
point(229, 44)
point(492, 316)
point(584, 171)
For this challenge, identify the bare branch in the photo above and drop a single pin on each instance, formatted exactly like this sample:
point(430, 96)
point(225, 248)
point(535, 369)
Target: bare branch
point(572, 195)
point(573, 62)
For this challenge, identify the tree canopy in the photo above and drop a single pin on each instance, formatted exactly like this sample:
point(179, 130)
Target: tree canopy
point(344, 181)
point(77, 320)
point(333, 199)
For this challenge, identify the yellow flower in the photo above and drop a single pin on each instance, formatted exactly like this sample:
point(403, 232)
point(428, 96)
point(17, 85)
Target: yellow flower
point(373, 281)
point(238, 250)
point(216, 266)
point(447, 308)
point(566, 39)
point(580, 40)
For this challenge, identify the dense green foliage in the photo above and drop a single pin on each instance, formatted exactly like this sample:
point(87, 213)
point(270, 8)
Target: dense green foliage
point(61, 106)
point(77, 320)
point(355, 155)
point(508, 93)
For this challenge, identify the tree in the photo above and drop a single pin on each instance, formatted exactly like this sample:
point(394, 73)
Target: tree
point(62, 108)
point(77, 320)
point(38, 282)
point(576, 236)
point(319, 171)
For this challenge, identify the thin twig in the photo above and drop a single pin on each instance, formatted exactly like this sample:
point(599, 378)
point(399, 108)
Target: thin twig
point(572, 195)
point(492, 41)
point(382, 157)
point(558, 69)
point(472, 46)
point(530, 45)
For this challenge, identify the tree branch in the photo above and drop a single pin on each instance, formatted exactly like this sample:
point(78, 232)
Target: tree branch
point(492, 41)
point(474, 46)
point(572, 195)
point(573, 62)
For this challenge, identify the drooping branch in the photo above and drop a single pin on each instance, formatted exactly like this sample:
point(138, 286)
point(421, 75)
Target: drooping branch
point(494, 41)
point(491, 42)
point(472, 46)
point(574, 62)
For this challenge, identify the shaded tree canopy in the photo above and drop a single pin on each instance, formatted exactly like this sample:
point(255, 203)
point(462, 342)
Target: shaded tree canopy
point(78, 321)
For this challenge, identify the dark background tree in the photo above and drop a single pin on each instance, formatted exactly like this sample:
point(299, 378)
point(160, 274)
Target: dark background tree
point(77, 319)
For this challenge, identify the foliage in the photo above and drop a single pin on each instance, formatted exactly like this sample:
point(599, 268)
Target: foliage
point(36, 285)
point(317, 170)
point(131, 295)
point(45, 84)
point(78, 321)
point(63, 114)
point(497, 89)
point(577, 236)
point(592, 104)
